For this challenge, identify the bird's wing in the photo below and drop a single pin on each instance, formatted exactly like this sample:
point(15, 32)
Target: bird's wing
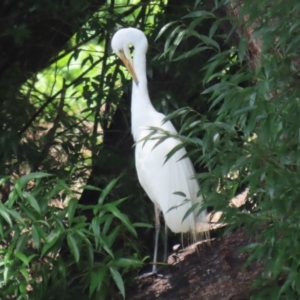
point(162, 179)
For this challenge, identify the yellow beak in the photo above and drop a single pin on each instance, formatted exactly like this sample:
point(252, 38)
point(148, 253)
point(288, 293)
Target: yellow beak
point(128, 64)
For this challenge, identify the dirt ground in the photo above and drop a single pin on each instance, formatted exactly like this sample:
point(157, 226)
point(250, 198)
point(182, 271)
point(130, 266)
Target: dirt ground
point(206, 271)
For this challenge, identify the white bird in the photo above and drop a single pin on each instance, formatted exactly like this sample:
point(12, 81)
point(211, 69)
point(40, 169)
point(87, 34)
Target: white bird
point(159, 179)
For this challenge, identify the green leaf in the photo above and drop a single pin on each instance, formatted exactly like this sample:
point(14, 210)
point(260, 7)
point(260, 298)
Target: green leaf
point(108, 220)
point(225, 126)
point(160, 140)
point(4, 179)
point(115, 211)
point(84, 234)
point(18, 189)
point(32, 201)
point(113, 235)
point(51, 240)
point(127, 262)
point(88, 58)
point(118, 280)
point(26, 260)
point(244, 109)
point(105, 244)
point(62, 185)
point(243, 45)
point(24, 272)
point(22, 242)
point(209, 41)
point(27, 212)
point(142, 225)
point(178, 205)
point(6, 274)
point(190, 210)
point(199, 14)
point(15, 215)
point(213, 28)
point(91, 188)
point(24, 179)
point(97, 278)
point(108, 189)
point(173, 151)
point(35, 236)
point(4, 214)
point(73, 246)
point(180, 194)
point(72, 205)
point(164, 28)
point(96, 226)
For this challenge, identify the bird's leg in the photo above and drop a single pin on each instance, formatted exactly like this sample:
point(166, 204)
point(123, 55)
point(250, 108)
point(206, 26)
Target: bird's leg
point(166, 244)
point(157, 229)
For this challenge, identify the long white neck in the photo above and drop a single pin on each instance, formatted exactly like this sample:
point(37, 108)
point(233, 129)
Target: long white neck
point(141, 104)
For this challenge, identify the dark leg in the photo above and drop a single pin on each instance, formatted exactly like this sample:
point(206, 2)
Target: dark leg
point(166, 244)
point(157, 229)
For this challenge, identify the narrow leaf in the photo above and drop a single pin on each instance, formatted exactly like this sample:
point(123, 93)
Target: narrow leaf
point(118, 280)
point(107, 190)
point(122, 217)
point(190, 210)
point(73, 246)
point(97, 280)
point(23, 180)
point(4, 214)
point(15, 215)
point(35, 236)
point(72, 205)
point(199, 14)
point(32, 201)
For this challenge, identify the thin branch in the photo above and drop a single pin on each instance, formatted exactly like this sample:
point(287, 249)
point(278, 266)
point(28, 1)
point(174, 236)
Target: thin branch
point(40, 110)
point(50, 135)
point(69, 50)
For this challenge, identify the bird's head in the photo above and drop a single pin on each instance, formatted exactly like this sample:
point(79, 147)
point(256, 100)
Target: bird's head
point(122, 40)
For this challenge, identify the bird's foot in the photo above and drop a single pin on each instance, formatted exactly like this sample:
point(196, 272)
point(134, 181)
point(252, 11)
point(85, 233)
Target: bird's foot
point(149, 274)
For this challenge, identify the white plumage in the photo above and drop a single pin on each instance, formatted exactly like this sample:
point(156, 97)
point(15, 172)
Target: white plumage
point(159, 179)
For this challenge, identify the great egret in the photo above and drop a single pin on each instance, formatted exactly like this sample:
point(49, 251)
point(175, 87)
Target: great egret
point(159, 179)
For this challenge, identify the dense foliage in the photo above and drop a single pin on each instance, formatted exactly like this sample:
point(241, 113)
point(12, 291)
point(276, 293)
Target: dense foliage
point(253, 140)
point(225, 74)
